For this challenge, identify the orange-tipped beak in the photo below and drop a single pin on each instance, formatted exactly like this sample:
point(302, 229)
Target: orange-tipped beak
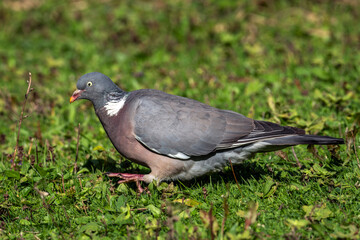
point(75, 95)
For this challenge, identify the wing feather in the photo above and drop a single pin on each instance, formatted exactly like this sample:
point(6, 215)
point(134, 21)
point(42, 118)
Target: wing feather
point(180, 127)
point(171, 125)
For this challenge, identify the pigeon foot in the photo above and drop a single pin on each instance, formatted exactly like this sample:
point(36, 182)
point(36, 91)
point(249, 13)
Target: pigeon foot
point(129, 177)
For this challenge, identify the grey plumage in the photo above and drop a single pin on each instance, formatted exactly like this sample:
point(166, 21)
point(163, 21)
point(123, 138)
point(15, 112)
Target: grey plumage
point(180, 138)
point(172, 124)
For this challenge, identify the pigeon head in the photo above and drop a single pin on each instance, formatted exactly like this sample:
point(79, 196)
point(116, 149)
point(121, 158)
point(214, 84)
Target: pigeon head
point(95, 87)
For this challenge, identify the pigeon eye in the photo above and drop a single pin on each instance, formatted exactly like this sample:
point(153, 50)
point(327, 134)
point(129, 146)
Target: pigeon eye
point(89, 84)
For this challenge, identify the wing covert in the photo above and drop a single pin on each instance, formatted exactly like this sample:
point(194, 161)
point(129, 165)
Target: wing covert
point(181, 127)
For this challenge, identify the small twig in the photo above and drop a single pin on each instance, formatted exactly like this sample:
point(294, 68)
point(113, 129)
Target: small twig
point(297, 160)
point(80, 183)
point(77, 148)
point(211, 223)
point(282, 154)
point(66, 215)
point(237, 183)
point(357, 159)
point(31, 144)
point(105, 224)
point(20, 121)
point(226, 213)
point(84, 207)
point(138, 209)
point(37, 154)
point(312, 212)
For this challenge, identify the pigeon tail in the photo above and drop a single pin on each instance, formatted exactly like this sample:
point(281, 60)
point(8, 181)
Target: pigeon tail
point(292, 140)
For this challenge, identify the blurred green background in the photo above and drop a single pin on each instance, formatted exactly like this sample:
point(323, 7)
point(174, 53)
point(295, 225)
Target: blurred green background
point(291, 62)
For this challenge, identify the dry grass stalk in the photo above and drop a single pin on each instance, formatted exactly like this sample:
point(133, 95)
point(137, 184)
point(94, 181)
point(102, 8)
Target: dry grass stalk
point(29, 89)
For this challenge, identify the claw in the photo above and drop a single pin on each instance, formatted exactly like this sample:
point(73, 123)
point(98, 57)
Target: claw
point(129, 177)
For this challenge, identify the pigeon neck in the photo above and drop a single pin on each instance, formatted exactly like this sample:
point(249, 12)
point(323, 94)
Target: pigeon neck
point(115, 104)
point(109, 97)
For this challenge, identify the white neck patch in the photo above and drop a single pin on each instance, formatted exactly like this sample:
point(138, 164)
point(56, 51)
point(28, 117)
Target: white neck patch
point(113, 107)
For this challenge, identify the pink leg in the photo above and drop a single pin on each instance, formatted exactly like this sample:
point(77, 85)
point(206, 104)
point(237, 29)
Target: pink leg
point(129, 177)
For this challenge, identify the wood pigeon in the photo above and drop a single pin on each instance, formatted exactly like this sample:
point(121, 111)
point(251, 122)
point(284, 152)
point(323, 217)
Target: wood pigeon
point(178, 137)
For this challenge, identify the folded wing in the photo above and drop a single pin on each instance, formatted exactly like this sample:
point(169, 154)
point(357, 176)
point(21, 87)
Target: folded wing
point(180, 127)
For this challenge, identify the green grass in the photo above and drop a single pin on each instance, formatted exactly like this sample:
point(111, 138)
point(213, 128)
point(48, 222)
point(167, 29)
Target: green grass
point(291, 62)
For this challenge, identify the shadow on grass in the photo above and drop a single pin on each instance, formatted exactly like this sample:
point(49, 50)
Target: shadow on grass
point(244, 172)
point(111, 165)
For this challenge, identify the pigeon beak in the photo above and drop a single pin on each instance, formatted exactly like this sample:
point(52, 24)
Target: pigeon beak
point(76, 94)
